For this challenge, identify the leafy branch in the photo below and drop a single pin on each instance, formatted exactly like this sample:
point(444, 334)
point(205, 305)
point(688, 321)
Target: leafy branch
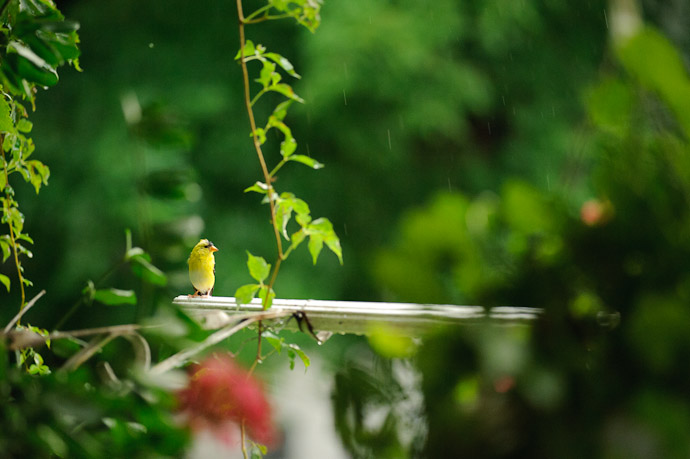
point(283, 206)
point(35, 39)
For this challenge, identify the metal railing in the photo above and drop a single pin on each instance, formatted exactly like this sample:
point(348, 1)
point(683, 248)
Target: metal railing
point(352, 316)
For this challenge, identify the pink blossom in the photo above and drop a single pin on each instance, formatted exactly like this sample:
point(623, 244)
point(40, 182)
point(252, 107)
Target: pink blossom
point(221, 395)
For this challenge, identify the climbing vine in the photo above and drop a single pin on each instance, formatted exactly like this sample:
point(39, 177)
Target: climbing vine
point(282, 205)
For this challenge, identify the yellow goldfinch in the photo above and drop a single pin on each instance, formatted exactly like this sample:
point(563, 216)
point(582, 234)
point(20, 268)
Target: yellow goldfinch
point(202, 268)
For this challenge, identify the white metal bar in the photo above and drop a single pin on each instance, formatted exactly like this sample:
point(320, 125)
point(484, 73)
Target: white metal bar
point(355, 316)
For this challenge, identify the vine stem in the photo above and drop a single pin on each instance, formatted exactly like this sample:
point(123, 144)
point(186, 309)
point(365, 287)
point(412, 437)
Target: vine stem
point(243, 434)
point(9, 223)
point(248, 102)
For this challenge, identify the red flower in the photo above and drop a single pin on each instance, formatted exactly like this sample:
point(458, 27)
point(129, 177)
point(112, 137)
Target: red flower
point(221, 393)
point(595, 212)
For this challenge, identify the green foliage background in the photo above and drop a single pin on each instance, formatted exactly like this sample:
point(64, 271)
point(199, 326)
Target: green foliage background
point(460, 141)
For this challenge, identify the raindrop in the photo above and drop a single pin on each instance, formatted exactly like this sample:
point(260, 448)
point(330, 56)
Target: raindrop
point(323, 336)
point(390, 145)
point(345, 229)
point(344, 96)
point(151, 45)
point(488, 125)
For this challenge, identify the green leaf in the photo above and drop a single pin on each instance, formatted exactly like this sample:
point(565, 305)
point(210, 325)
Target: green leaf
point(268, 75)
point(315, 246)
point(5, 281)
point(287, 91)
point(259, 187)
point(283, 214)
point(6, 250)
point(275, 341)
point(288, 147)
point(142, 267)
point(30, 66)
point(333, 243)
point(258, 268)
point(114, 296)
point(280, 111)
point(38, 173)
point(309, 161)
point(249, 50)
point(320, 231)
point(24, 125)
point(297, 238)
point(283, 63)
point(246, 293)
point(6, 124)
point(267, 303)
point(260, 135)
point(300, 353)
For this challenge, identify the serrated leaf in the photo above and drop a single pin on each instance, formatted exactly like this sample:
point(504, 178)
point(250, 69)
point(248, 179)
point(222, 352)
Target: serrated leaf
point(5, 281)
point(309, 161)
point(315, 246)
point(258, 268)
point(246, 293)
point(283, 63)
point(333, 243)
point(323, 229)
point(114, 296)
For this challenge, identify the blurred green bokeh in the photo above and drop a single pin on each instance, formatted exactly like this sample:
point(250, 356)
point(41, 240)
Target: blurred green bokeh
point(495, 153)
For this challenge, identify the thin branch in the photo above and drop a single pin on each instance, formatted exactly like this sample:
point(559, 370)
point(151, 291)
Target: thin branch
point(95, 345)
point(113, 329)
point(242, 439)
point(141, 348)
point(182, 357)
point(264, 9)
point(21, 312)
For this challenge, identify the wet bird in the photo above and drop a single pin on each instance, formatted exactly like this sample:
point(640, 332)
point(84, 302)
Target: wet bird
point(202, 268)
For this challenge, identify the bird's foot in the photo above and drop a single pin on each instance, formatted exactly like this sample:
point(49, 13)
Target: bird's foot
point(198, 294)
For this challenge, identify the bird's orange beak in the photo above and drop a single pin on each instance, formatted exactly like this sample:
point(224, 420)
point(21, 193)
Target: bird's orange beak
point(213, 248)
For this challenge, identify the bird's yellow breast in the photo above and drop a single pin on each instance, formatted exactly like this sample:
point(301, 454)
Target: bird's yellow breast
point(201, 271)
